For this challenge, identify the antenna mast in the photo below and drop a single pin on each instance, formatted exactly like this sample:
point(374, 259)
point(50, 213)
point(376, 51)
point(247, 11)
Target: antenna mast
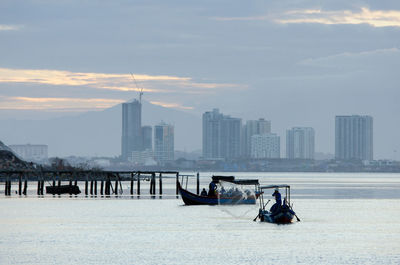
point(141, 89)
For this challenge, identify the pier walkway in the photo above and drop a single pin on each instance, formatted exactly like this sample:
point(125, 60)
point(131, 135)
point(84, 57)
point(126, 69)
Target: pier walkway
point(96, 181)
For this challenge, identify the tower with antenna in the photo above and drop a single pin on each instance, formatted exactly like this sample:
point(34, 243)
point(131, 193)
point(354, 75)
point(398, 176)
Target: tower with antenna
point(132, 136)
point(137, 87)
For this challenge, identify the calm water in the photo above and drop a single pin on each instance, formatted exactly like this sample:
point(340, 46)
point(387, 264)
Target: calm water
point(346, 219)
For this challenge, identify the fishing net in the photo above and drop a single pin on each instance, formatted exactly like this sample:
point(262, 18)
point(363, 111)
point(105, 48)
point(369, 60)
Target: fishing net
point(236, 200)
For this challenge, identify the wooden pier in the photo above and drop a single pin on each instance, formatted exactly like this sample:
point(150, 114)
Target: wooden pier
point(96, 182)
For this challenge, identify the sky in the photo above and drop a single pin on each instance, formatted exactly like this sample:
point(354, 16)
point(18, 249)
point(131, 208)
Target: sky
point(296, 63)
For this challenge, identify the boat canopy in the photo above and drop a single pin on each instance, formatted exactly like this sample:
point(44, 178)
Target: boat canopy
point(275, 186)
point(224, 178)
point(231, 179)
point(246, 182)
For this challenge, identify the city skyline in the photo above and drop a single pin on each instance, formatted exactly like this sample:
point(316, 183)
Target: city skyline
point(294, 63)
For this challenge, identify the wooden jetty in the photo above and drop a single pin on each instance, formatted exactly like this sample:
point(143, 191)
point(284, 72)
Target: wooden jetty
point(96, 181)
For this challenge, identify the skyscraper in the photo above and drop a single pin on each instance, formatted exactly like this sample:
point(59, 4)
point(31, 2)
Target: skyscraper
point(253, 127)
point(147, 136)
point(230, 137)
point(300, 143)
point(265, 146)
point(163, 143)
point(212, 134)
point(131, 128)
point(221, 136)
point(354, 137)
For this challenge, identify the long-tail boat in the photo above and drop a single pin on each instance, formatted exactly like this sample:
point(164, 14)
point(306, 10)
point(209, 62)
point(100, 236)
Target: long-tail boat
point(220, 196)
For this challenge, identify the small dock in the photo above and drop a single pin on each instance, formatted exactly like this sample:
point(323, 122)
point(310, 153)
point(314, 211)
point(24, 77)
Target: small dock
point(96, 182)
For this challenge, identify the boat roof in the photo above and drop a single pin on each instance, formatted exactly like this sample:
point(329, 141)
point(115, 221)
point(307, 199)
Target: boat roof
point(275, 186)
point(246, 181)
point(224, 178)
point(231, 179)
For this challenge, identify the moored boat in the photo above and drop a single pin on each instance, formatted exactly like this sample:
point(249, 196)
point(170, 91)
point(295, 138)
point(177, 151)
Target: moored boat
point(63, 189)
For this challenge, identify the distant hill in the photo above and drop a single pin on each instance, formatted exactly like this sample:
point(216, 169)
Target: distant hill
point(4, 147)
point(9, 161)
point(98, 133)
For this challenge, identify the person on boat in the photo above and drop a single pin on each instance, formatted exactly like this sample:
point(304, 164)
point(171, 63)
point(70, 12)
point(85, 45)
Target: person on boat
point(286, 206)
point(212, 189)
point(203, 192)
point(278, 201)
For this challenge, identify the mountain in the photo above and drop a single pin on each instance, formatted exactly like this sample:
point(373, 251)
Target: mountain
point(98, 133)
point(9, 161)
point(4, 147)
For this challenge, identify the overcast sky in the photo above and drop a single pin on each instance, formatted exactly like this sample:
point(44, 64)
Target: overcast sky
point(297, 63)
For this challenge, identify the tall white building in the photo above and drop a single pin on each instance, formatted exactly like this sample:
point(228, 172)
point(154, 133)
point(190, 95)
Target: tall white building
point(31, 152)
point(163, 143)
point(253, 127)
point(265, 146)
point(354, 137)
point(300, 143)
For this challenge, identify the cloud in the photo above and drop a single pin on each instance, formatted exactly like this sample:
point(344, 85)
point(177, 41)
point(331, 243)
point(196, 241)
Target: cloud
point(352, 57)
point(171, 86)
point(375, 18)
point(9, 27)
point(60, 104)
point(119, 82)
point(56, 77)
point(170, 105)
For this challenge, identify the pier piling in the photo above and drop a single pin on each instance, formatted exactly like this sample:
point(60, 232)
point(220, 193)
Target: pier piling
point(20, 185)
point(86, 187)
point(198, 183)
point(70, 187)
point(160, 184)
point(25, 187)
point(95, 187)
point(138, 184)
point(177, 183)
point(42, 187)
point(59, 185)
point(131, 191)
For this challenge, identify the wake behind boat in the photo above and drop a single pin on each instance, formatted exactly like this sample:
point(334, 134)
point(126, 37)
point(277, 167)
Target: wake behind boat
point(218, 194)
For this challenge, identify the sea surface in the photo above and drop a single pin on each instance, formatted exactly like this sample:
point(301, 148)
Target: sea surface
point(345, 219)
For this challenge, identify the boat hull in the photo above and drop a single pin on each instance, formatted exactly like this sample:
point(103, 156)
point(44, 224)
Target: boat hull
point(63, 189)
point(281, 217)
point(193, 199)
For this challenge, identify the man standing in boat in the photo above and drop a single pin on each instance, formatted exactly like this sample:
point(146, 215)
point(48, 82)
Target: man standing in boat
point(278, 202)
point(212, 189)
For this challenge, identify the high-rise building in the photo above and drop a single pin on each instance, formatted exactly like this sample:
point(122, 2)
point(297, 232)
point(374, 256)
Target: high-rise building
point(31, 152)
point(221, 136)
point(354, 137)
point(131, 128)
point(212, 134)
point(300, 143)
point(265, 146)
point(253, 127)
point(147, 136)
point(163, 143)
point(230, 137)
